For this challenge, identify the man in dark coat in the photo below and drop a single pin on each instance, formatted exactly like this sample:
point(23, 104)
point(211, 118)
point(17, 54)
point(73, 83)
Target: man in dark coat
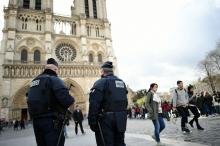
point(48, 101)
point(108, 108)
point(78, 118)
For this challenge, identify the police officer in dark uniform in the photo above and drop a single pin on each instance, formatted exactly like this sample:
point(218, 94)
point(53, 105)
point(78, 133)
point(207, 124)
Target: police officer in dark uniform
point(108, 108)
point(48, 101)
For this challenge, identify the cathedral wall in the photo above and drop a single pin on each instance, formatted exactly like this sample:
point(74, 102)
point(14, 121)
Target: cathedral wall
point(51, 34)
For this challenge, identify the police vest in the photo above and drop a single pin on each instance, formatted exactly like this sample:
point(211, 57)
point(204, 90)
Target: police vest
point(115, 97)
point(39, 96)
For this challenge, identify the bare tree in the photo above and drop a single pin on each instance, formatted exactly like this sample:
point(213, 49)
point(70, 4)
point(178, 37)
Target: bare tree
point(207, 67)
point(210, 65)
point(214, 58)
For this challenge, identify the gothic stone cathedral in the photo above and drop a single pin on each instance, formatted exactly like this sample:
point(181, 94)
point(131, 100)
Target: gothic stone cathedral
point(32, 33)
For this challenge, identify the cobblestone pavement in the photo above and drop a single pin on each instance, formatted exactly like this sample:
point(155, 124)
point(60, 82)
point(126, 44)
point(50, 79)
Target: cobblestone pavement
point(210, 136)
point(138, 134)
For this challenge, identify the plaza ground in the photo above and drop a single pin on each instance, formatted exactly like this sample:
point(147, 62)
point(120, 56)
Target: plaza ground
point(138, 134)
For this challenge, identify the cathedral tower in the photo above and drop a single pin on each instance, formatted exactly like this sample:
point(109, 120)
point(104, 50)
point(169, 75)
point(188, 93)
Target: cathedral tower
point(32, 33)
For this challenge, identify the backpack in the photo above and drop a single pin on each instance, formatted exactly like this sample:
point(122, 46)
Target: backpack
point(171, 104)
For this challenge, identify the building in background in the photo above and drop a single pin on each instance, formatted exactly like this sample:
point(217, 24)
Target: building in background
point(32, 33)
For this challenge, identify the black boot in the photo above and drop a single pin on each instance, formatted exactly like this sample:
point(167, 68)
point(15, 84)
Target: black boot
point(199, 127)
point(184, 129)
point(191, 123)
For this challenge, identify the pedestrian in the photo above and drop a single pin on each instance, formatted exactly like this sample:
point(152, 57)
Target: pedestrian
point(48, 101)
point(143, 112)
point(166, 110)
point(208, 104)
point(155, 113)
point(192, 107)
point(129, 113)
point(137, 112)
point(217, 98)
point(22, 124)
point(200, 102)
point(133, 112)
point(108, 108)
point(78, 118)
point(16, 124)
point(180, 103)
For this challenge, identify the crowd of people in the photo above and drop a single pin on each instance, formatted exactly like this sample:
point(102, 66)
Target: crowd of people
point(77, 116)
point(208, 105)
point(18, 124)
point(137, 112)
point(183, 101)
point(15, 124)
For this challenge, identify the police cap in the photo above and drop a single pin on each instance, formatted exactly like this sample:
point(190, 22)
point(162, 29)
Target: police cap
point(52, 61)
point(107, 64)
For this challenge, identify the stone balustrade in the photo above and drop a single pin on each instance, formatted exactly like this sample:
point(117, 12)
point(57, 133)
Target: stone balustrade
point(32, 70)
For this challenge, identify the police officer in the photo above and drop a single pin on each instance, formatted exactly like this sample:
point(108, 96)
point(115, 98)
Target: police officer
point(48, 101)
point(108, 108)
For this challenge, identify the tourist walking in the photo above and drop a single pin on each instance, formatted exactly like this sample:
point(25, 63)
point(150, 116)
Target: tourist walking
point(180, 103)
point(78, 118)
point(200, 102)
point(192, 107)
point(155, 113)
point(16, 124)
point(22, 124)
point(208, 104)
point(166, 110)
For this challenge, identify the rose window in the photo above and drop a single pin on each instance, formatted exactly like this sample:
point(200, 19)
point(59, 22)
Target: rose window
point(65, 52)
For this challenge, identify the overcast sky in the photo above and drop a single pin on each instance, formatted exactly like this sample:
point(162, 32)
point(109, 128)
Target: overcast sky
point(158, 40)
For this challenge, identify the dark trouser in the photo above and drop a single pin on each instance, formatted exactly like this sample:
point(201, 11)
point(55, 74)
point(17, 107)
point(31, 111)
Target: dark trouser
point(184, 113)
point(208, 109)
point(166, 115)
point(159, 125)
point(47, 132)
point(196, 114)
point(201, 110)
point(114, 139)
point(112, 136)
point(80, 125)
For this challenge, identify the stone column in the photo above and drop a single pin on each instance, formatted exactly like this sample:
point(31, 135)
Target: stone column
point(32, 4)
point(47, 5)
point(83, 34)
point(79, 8)
point(99, 9)
point(48, 35)
point(13, 2)
point(20, 3)
point(107, 30)
point(11, 33)
point(91, 8)
point(104, 9)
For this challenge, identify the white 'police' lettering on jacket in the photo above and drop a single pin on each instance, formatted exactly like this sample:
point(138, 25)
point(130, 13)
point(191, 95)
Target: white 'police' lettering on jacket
point(35, 83)
point(119, 84)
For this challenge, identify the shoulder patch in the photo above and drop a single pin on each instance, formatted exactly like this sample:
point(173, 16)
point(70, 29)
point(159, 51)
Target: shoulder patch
point(35, 83)
point(92, 91)
point(119, 84)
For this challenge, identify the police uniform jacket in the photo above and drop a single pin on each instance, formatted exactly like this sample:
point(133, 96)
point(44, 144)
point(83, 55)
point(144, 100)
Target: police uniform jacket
point(108, 97)
point(48, 95)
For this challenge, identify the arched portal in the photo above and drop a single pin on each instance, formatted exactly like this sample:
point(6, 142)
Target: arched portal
point(19, 102)
point(77, 92)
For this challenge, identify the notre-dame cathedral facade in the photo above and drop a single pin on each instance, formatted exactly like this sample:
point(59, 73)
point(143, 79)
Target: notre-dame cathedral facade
point(33, 33)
